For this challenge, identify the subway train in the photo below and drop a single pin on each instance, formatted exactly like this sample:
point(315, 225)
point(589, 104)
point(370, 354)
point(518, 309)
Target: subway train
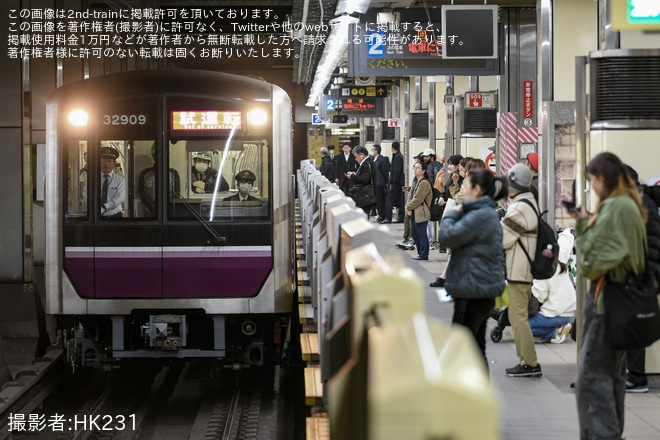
point(169, 205)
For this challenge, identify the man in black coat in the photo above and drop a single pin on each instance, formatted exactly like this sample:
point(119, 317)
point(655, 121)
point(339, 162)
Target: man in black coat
point(636, 381)
point(382, 175)
point(397, 182)
point(344, 163)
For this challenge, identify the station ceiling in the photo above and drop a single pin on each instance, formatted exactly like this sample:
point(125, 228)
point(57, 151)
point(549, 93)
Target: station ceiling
point(317, 11)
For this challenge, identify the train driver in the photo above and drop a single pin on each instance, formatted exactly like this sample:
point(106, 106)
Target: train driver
point(113, 186)
point(244, 182)
point(203, 176)
point(147, 185)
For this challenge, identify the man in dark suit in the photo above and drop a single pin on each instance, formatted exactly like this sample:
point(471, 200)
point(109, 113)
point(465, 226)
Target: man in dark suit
point(344, 163)
point(244, 181)
point(397, 182)
point(382, 175)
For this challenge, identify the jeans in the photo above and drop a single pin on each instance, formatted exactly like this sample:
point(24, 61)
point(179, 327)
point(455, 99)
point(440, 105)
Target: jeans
point(429, 231)
point(418, 231)
point(546, 328)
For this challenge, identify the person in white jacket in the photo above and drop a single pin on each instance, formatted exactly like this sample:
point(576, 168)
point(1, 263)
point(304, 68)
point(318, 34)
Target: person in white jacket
point(557, 295)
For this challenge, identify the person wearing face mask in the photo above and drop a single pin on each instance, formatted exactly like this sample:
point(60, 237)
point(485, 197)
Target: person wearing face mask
point(244, 182)
point(203, 176)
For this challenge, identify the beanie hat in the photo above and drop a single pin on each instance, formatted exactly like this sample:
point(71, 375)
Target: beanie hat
point(533, 159)
point(565, 240)
point(519, 177)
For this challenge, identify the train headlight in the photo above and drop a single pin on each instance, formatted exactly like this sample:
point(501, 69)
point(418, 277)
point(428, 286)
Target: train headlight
point(257, 117)
point(78, 118)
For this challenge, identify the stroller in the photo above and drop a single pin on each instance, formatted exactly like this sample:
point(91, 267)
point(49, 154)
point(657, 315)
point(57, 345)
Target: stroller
point(501, 316)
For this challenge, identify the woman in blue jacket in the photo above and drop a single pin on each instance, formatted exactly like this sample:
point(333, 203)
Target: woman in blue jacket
point(475, 276)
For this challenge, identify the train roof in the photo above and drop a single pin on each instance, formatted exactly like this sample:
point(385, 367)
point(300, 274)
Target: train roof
point(176, 81)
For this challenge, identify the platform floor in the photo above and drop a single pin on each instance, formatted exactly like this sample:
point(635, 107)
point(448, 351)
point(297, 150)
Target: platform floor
point(540, 408)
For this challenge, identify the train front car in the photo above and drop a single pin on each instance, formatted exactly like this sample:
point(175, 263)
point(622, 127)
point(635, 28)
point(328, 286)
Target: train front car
point(168, 217)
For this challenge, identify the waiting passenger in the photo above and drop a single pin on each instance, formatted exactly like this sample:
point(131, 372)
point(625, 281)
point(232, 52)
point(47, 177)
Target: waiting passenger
point(473, 232)
point(147, 185)
point(113, 186)
point(557, 297)
point(244, 182)
point(203, 176)
point(612, 243)
point(520, 225)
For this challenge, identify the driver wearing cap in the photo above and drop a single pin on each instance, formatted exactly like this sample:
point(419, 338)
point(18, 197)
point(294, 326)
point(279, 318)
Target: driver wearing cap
point(113, 186)
point(244, 182)
point(203, 176)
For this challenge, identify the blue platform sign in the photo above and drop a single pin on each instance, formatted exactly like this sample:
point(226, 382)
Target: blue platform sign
point(316, 119)
point(375, 44)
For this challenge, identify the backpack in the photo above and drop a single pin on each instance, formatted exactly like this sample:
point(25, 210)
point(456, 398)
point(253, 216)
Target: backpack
point(435, 209)
point(546, 254)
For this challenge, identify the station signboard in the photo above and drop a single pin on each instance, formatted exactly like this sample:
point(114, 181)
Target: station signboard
point(351, 106)
point(415, 48)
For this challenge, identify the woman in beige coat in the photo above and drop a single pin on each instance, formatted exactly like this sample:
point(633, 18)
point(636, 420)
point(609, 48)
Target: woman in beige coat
point(418, 208)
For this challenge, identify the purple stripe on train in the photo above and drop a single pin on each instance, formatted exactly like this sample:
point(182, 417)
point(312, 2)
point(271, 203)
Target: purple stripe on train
point(181, 274)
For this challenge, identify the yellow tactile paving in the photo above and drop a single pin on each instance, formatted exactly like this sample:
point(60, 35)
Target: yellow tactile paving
point(317, 427)
point(309, 345)
point(313, 385)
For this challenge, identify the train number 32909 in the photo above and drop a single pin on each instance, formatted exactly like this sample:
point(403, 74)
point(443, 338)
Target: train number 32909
point(124, 119)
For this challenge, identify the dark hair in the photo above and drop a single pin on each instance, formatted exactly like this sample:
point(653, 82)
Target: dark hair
point(331, 147)
point(395, 145)
point(474, 164)
point(454, 159)
point(377, 148)
point(496, 187)
point(360, 149)
point(616, 180)
point(464, 161)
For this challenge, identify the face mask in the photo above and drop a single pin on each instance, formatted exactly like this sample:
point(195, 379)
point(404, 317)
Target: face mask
point(371, 153)
point(201, 167)
point(245, 187)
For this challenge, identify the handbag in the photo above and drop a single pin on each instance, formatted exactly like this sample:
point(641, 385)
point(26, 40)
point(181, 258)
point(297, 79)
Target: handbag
point(632, 313)
point(363, 195)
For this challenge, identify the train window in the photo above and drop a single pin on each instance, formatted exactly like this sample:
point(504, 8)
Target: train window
point(221, 182)
point(77, 176)
point(112, 184)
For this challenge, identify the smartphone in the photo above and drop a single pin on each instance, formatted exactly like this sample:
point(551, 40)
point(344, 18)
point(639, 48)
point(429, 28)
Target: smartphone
point(569, 205)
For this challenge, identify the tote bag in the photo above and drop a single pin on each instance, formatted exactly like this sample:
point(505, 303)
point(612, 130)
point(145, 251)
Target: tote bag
point(632, 313)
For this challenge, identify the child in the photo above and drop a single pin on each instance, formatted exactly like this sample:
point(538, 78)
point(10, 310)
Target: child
point(557, 295)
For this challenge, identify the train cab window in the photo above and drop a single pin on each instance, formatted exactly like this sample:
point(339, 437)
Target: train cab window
point(222, 182)
point(146, 159)
point(112, 182)
point(77, 175)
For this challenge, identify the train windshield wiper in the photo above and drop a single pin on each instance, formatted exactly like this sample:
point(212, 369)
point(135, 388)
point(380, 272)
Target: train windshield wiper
point(217, 238)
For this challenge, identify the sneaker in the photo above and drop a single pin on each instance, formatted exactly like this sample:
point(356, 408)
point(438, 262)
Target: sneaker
point(439, 282)
point(632, 388)
point(562, 333)
point(524, 371)
point(432, 247)
point(539, 340)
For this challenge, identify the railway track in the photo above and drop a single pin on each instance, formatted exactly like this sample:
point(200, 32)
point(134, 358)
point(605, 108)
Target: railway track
point(177, 400)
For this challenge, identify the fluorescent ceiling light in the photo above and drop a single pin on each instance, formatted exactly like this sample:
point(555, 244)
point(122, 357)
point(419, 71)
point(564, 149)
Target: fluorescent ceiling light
point(334, 49)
